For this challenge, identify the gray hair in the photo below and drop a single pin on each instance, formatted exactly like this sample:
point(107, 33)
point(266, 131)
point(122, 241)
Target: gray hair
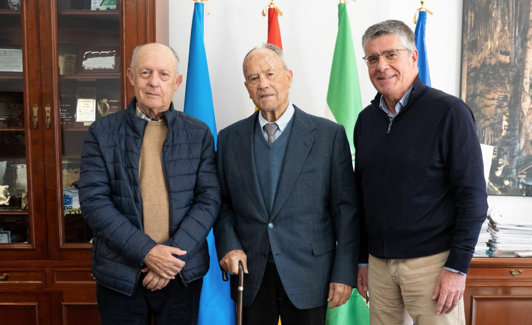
point(268, 46)
point(132, 65)
point(391, 27)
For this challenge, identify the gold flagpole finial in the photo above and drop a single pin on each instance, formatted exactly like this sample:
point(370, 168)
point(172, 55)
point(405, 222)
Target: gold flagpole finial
point(271, 5)
point(423, 8)
point(346, 1)
point(207, 8)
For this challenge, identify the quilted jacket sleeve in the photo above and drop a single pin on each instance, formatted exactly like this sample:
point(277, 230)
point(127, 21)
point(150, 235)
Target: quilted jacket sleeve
point(97, 207)
point(193, 230)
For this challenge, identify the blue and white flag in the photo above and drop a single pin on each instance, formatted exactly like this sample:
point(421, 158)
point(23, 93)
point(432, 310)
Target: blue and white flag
point(423, 62)
point(216, 306)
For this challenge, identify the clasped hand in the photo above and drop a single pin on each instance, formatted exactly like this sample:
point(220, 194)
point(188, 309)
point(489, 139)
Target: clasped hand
point(162, 266)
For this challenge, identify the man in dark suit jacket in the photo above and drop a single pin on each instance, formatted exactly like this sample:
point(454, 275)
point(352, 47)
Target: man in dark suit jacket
point(289, 203)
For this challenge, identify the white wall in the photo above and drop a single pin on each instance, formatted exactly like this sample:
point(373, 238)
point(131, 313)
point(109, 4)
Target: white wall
point(308, 30)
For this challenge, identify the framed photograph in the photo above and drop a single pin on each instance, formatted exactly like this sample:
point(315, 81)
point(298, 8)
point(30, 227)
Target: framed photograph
point(13, 4)
point(86, 104)
point(104, 4)
point(98, 60)
point(10, 60)
point(5, 236)
point(496, 84)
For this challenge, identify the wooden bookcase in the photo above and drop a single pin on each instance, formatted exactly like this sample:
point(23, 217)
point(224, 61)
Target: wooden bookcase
point(45, 249)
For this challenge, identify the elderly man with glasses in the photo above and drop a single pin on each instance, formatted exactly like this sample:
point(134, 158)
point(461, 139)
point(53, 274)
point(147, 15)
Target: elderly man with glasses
point(422, 193)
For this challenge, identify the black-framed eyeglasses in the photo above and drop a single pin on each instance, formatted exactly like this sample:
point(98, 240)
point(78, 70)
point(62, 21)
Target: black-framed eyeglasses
point(389, 56)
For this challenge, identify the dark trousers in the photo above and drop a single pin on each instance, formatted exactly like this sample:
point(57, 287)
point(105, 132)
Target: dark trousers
point(271, 302)
point(174, 304)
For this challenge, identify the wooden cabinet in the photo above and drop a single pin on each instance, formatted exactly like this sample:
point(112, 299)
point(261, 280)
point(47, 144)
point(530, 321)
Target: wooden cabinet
point(28, 308)
point(62, 66)
point(499, 291)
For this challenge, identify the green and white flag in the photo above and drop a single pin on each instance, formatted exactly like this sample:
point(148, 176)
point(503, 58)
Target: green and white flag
point(343, 96)
point(353, 312)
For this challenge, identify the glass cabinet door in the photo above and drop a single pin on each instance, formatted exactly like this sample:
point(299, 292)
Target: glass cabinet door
point(22, 218)
point(87, 57)
point(13, 166)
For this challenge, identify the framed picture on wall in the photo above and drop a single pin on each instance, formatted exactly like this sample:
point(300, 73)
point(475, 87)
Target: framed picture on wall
point(496, 84)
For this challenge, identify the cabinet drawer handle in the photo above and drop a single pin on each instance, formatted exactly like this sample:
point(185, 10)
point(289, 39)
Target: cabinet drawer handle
point(516, 273)
point(35, 116)
point(92, 276)
point(3, 277)
point(48, 110)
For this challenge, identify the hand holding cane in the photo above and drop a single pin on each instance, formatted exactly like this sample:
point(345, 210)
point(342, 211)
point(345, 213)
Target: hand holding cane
point(239, 303)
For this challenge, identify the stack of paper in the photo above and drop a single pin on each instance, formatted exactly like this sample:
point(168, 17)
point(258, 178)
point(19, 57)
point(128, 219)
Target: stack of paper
point(481, 249)
point(508, 238)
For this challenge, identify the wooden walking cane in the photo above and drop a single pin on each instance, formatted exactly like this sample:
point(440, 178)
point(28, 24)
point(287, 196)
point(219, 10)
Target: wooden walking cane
point(239, 303)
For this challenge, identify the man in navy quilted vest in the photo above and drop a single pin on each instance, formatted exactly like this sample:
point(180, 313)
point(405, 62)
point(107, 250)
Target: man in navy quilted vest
point(149, 190)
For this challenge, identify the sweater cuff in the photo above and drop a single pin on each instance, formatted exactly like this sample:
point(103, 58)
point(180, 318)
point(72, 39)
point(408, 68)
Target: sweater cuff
point(453, 270)
point(459, 260)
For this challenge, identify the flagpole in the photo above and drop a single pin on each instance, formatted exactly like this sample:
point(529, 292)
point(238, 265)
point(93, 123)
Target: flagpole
point(205, 3)
point(273, 6)
point(423, 8)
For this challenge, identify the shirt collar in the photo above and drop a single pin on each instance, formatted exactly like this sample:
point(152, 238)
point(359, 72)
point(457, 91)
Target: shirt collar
point(400, 105)
point(144, 116)
point(283, 121)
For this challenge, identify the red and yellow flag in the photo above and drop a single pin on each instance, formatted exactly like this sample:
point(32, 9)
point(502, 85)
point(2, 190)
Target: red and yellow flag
point(274, 32)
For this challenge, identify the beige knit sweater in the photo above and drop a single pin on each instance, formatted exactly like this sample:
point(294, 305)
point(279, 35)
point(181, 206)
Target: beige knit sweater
point(156, 208)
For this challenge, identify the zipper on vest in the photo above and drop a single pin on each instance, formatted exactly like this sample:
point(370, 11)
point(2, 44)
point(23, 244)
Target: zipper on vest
point(169, 198)
point(137, 280)
point(166, 183)
point(141, 201)
point(389, 127)
point(182, 279)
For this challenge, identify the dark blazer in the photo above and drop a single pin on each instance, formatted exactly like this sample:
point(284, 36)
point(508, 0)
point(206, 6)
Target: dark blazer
point(312, 228)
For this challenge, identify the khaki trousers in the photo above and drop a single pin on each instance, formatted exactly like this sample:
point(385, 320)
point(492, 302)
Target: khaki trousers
point(398, 284)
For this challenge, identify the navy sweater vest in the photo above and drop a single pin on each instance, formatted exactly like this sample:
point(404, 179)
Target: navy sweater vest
point(269, 159)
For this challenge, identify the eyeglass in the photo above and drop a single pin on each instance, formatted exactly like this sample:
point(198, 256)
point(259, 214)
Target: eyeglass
point(389, 56)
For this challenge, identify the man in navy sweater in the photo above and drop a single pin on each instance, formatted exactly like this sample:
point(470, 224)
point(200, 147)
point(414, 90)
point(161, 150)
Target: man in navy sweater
point(422, 194)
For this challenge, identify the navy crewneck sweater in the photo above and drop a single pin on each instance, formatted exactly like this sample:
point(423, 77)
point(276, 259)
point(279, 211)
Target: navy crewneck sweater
point(420, 179)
